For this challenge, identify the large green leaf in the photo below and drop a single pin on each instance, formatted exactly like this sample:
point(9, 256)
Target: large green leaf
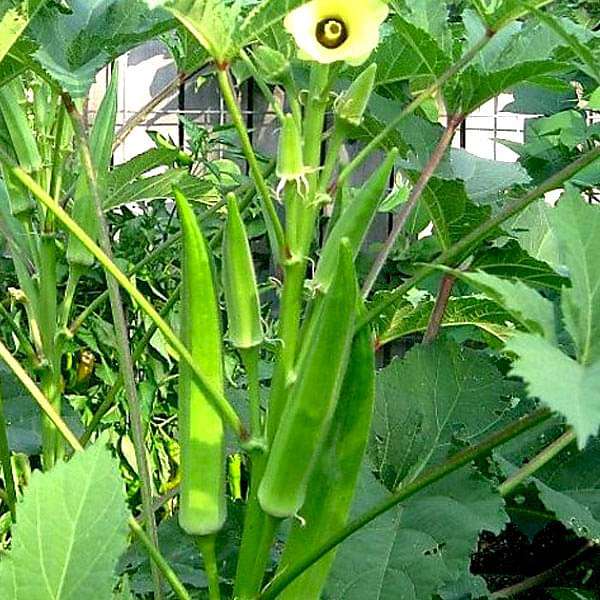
point(576, 226)
point(14, 18)
point(524, 304)
point(265, 15)
point(71, 530)
point(414, 551)
point(512, 261)
point(407, 318)
point(408, 52)
point(452, 213)
point(562, 383)
point(433, 395)
point(74, 47)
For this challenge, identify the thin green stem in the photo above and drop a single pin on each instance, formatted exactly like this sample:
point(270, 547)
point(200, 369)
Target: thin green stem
point(455, 462)
point(218, 399)
point(481, 233)
point(206, 544)
point(338, 137)
point(360, 158)
point(270, 215)
point(7, 472)
point(158, 559)
point(250, 358)
point(122, 339)
point(536, 463)
point(288, 333)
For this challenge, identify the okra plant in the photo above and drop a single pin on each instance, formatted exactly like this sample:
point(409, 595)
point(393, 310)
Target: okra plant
point(350, 366)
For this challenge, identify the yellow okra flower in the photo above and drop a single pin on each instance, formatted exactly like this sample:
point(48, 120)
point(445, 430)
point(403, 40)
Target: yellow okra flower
point(328, 31)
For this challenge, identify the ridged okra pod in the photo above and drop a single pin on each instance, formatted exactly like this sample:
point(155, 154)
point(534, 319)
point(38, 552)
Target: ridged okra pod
point(23, 140)
point(201, 436)
point(319, 374)
point(239, 282)
point(333, 481)
point(101, 139)
point(355, 220)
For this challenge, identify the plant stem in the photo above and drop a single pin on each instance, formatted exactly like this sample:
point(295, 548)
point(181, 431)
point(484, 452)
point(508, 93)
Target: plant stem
point(122, 338)
point(218, 399)
point(288, 332)
point(536, 463)
point(72, 440)
point(206, 544)
point(481, 232)
point(455, 462)
point(441, 303)
point(157, 558)
point(414, 197)
point(338, 137)
point(269, 214)
point(9, 482)
point(360, 158)
point(250, 358)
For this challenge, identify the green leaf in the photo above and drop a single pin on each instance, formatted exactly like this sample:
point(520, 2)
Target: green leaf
point(408, 53)
point(452, 213)
point(96, 32)
point(159, 186)
point(512, 261)
point(534, 233)
point(265, 15)
point(576, 226)
point(594, 103)
point(475, 87)
point(572, 594)
point(415, 550)
point(476, 311)
point(562, 383)
point(526, 305)
point(71, 530)
point(435, 394)
point(14, 18)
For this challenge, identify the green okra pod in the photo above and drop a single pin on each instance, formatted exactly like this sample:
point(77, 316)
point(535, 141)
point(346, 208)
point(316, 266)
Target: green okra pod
point(355, 220)
point(23, 140)
point(319, 373)
point(333, 481)
point(201, 435)
point(239, 282)
point(101, 140)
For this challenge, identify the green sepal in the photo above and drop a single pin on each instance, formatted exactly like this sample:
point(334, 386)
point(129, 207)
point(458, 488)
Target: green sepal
point(239, 282)
point(201, 432)
point(352, 104)
point(313, 395)
point(333, 481)
point(355, 220)
point(101, 141)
